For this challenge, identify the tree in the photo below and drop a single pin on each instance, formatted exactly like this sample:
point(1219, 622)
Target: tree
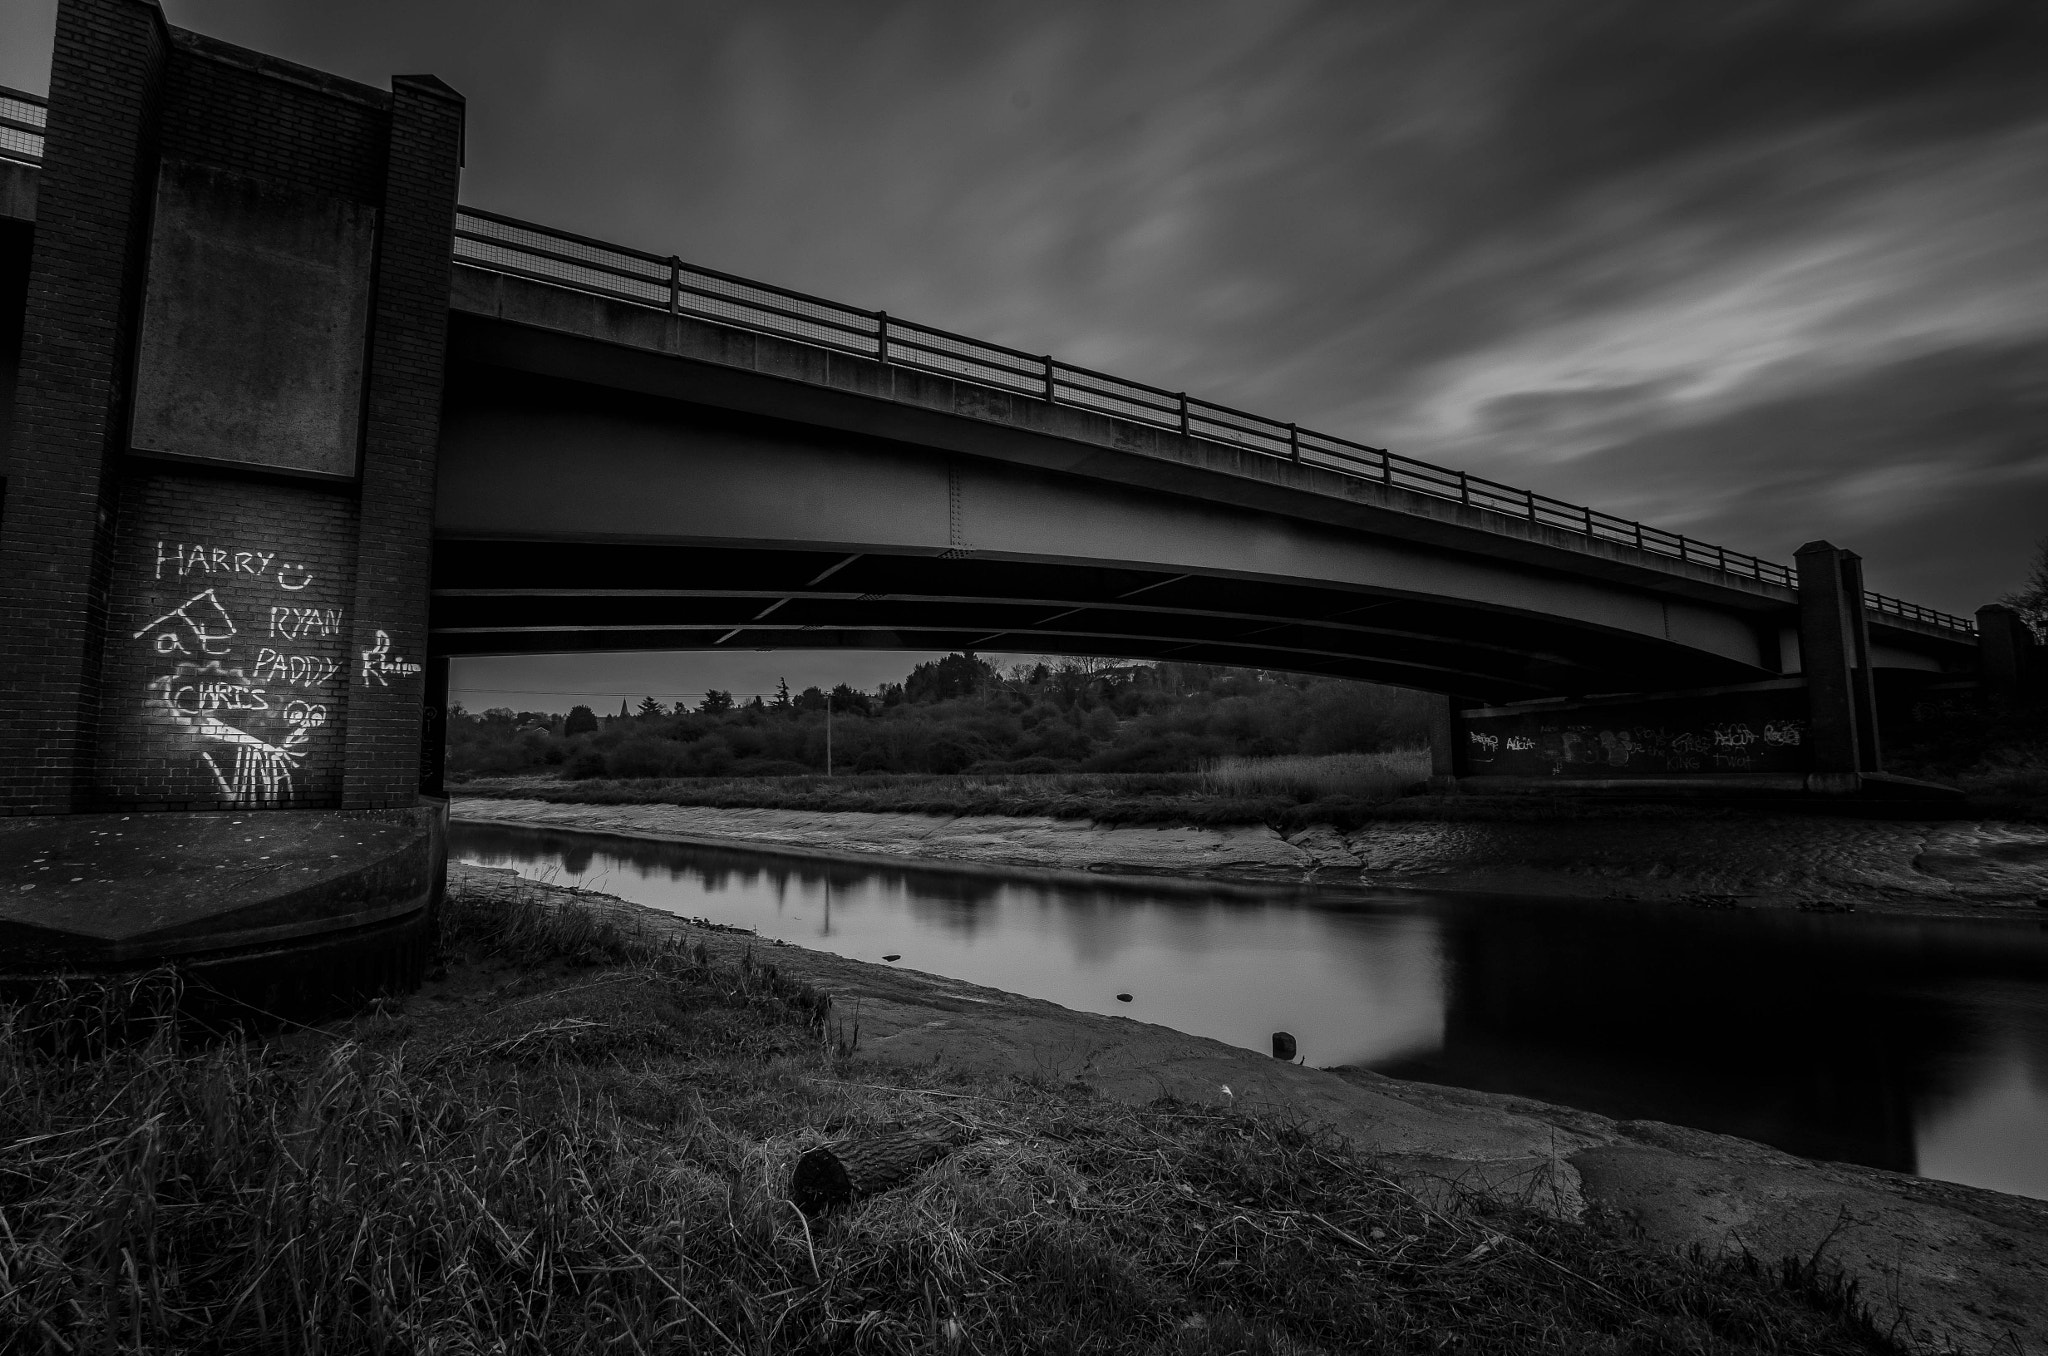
point(782, 694)
point(582, 720)
point(715, 703)
point(846, 698)
point(2031, 601)
point(957, 675)
point(651, 707)
point(811, 699)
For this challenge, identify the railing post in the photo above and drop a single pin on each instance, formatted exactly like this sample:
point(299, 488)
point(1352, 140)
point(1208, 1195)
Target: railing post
point(675, 285)
point(1588, 512)
point(1387, 470)
point(1183, 414)
point(882, 337)
point(1530, 497)
point(1464, 489)
point(1048, 379)
point(1294, 443)
point(1639, 536)
point(1721, 559)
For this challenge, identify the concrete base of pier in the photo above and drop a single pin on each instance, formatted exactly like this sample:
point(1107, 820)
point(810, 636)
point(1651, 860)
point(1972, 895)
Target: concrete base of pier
point(286, 914)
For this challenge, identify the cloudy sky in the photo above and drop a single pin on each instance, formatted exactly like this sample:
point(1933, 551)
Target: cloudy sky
point(1757, 272)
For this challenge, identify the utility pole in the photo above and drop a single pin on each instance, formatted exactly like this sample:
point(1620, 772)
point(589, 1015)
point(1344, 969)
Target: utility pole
point(828, 740)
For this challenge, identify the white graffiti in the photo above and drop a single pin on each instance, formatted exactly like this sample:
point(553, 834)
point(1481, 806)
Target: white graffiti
point(198, 558)
point(304, 623)
point(257, 772)
point(260, 773)
point(294, 670)
point(202, 618)
point(195, 689)
point(1783, 732)
point(379, 661)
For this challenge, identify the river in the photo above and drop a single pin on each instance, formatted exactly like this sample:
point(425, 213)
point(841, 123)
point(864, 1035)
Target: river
point(1905, 1043)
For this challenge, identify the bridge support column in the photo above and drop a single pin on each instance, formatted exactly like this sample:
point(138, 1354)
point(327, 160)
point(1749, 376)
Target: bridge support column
point(2011, 664)
point(220, 479)
point(1834, 652)
point(1444, 734)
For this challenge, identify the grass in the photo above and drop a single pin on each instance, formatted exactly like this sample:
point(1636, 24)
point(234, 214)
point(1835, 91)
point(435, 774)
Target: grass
point(1287, 793)
point(1992, 754)
point(1310, 777)
point(578, 1140)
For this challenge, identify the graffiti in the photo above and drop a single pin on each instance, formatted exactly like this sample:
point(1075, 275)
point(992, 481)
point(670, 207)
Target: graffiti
point(184, 558)
point(235, 720)
point(295, 670)
point(304, 623)
point(261, 773)
point(200, 618)
point(378, 661)
point(1744, 732)
point(195, 689)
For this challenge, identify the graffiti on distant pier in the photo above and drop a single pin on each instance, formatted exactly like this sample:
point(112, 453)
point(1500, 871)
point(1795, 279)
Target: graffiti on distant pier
point(1753, 731)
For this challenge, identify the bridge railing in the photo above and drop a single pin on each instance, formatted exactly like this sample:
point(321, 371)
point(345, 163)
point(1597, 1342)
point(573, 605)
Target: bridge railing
point(22, 120)
point(507, 245)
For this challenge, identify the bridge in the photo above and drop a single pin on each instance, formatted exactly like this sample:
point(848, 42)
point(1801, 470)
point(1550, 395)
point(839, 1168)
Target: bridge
point(288, 429)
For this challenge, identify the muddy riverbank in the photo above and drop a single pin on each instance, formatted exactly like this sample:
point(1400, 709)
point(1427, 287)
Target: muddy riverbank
point(1946, 868)
point(1958, 1267)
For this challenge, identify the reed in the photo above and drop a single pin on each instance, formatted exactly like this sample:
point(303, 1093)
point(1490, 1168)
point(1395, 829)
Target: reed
point(583, 1141)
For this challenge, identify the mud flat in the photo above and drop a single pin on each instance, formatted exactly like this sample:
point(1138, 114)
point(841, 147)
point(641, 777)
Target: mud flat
point(1957, 1268)
point(1951, 868)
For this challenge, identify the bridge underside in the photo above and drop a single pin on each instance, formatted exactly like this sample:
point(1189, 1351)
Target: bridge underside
point(525, 597)
point(594, 495)
point(578, 519)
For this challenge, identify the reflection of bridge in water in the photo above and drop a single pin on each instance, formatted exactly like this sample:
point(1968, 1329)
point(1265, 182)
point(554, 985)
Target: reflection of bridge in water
point(254, 354)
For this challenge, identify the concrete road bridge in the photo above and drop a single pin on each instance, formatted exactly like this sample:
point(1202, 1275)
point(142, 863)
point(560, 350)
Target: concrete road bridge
point(287, 429)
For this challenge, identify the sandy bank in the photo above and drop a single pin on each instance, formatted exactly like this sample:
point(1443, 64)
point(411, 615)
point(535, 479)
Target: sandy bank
point(1949, 868)
point(1959, 1266)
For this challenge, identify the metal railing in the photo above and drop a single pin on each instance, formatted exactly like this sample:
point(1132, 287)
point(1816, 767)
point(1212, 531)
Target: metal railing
point(22, 120)
point(507, 245)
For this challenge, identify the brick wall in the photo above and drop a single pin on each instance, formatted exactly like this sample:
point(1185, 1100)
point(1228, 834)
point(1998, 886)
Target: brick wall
point(402, 434)
point(228, 662)
point(271, 119)
point(69, 419)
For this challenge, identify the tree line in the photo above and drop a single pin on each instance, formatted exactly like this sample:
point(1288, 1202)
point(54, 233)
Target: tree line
point(957, 714)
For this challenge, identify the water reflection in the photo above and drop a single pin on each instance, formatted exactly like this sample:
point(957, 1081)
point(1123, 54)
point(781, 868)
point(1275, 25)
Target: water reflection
point(1907, 1044)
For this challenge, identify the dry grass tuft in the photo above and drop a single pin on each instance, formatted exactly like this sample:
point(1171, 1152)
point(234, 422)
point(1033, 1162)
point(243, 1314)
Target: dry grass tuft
point(583, 1141)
